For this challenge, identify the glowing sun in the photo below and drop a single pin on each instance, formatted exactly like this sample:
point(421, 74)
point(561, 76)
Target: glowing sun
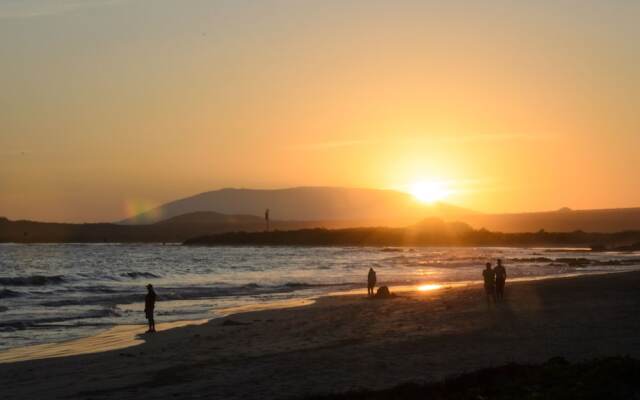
point(430, 191)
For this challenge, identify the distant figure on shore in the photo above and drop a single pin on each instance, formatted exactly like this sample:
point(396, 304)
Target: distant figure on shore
point(149, 306)
point(501, 278)
point(266, 218)
point(384, 293)
point(489, 276)
point(371, 282)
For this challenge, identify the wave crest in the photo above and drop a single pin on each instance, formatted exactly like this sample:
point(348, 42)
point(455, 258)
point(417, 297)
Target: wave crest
point(138, 275)
point(33, 280)
point(6, 293)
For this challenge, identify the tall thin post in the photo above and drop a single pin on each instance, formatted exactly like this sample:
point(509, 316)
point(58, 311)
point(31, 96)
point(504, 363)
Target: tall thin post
point(266, 218)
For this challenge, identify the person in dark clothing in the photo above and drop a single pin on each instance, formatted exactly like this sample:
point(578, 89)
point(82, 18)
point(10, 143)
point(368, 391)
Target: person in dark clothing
point(371, 282)
point(149, 306)
point(501, 278)
point(489, 283)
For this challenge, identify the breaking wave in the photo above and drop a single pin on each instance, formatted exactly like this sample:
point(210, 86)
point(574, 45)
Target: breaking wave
point(6, 293)
point(138, 275)
point(33, 280)
point(19, 325)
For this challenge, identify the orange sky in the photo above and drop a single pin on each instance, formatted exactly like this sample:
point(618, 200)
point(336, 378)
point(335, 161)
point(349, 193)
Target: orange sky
point(111, 106)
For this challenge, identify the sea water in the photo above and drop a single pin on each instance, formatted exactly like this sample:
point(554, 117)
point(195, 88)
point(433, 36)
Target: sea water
point(55, 292)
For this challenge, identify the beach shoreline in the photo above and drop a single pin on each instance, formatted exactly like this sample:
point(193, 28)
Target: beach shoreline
point(341, 343)
point(123, 336)
point(79, 293)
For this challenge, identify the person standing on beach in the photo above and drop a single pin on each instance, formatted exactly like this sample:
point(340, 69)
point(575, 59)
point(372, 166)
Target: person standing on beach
point(266, 218)
point(371, 282)
point(501, 278)
point(149, 306)
point(489, 276)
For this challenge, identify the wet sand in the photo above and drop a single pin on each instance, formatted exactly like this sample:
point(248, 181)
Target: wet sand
point(118, 337)
point(346, 342)
point(122, 336)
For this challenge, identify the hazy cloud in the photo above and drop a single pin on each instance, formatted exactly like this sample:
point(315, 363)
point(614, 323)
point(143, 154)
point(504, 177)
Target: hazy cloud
point(330, 145)
point(7, 154)
point(491, 137)
point(498, 137)
point(39, 8)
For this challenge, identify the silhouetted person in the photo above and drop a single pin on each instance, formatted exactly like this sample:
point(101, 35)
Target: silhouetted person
point(371, 282)
point(489, 283)
point(149, 305)
point(501, 278)
point(266, 218)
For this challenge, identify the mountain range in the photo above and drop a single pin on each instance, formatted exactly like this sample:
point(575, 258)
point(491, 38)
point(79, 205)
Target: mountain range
point(233, 210)
point(342, 207)
point(360, 206)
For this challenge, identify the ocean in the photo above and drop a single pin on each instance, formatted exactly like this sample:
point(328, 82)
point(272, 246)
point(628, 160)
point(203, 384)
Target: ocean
point(56, 292)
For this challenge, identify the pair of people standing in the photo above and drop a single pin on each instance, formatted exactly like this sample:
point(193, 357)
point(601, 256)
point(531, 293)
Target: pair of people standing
point(494, 281)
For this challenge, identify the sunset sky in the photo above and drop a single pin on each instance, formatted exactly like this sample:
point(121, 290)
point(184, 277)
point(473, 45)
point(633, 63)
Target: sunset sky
point(112, 104)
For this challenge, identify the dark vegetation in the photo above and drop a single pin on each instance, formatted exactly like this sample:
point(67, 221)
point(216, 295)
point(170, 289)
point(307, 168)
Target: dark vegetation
point(609, 378)
point(208, 228)
point(175, 229)
point(563, 220)
point(428, 233)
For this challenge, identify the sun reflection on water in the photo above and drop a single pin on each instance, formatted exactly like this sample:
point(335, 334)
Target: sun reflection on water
point(429, 287)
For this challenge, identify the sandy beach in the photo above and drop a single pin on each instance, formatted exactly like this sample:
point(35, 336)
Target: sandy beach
point(341, 343)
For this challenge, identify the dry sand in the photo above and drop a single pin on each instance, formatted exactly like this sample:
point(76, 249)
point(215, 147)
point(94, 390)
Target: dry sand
point(341, 343)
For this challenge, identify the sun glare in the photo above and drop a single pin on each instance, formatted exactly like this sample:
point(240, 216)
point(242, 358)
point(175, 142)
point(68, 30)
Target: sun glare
point(429, 287)
point(430, 191)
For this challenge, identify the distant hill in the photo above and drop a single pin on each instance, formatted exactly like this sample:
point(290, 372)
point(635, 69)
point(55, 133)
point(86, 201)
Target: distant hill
point(216, 228)
point(563, 220)
point(234, 210)
point(333, 207)
point(361, 206)
point(431, 232)
point(210, 217)
point(176, 229)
